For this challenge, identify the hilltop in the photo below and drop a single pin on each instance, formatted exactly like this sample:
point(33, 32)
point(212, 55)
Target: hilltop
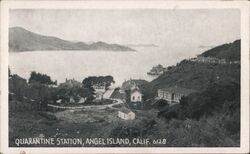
point(230, 51)
point(21, 39)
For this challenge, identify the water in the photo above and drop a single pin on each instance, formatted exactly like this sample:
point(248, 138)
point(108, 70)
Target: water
point(80, 64)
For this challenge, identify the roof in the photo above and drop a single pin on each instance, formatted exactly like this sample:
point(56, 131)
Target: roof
point(125, 110)
point(127, 85)
point(179, 90)
point(136, 90)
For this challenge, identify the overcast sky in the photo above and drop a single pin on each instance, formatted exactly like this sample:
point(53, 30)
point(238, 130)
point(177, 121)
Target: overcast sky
point(160, 27)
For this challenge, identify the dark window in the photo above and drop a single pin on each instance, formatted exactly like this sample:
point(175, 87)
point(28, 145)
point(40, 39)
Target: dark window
point(172, 97)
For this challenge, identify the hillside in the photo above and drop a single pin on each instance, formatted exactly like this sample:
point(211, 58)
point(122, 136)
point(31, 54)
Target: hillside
point(229, 51)
point(199, 76)
point(21, 39)
point(213, 111)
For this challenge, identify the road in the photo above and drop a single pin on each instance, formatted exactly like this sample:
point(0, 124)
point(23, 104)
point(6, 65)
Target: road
point(100, 107)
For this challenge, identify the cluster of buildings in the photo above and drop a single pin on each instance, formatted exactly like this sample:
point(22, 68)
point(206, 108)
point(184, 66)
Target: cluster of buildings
point(212, 60)
point(136, 97)
point(208, 60)
point(100, 91)
point(172, 95)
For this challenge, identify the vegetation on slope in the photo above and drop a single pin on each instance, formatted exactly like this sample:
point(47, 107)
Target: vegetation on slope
point(229, 51)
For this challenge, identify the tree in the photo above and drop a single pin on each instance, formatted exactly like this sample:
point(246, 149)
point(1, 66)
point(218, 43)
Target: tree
point(41, 78)
point(98, 80)
point(216, 98)
point(91, 81)
point(18, 86)
point(108, 80)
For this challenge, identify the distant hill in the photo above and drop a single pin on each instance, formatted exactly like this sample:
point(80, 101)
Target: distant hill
point(21, 39)
point(141, 45)
point(229, 51)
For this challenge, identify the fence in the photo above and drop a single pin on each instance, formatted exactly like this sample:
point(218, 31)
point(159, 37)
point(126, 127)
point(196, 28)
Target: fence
point(55, 108)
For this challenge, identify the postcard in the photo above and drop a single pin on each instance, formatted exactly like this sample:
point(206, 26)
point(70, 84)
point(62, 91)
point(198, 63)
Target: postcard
point(124, 77)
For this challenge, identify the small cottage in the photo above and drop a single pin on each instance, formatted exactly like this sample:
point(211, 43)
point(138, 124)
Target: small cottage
point(136, 95)
point(173, 94)
point(71, 100)
point(99, 95)
point(126, 114)
point(59, 101)
point(82, 100)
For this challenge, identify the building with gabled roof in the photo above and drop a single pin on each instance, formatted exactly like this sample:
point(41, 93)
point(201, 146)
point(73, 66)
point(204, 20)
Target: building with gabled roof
point(126, 114)
point(136, 95)
point(173, 94)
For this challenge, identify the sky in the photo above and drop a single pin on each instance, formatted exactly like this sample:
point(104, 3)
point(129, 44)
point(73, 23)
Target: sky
point(139, 26)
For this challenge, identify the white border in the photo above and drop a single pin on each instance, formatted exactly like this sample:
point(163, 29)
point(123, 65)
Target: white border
point(242, 5)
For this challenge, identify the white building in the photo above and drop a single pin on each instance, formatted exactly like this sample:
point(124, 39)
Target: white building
point(72, 100)
point(82, 100)
point(99, 91)
point(136, 95)
point(173, 94)
point(126, 114)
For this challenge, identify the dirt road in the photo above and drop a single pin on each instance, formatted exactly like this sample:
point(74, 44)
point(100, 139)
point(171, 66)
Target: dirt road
point(100, 107)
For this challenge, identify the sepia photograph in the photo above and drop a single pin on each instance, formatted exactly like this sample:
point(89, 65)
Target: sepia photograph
point(125, 78)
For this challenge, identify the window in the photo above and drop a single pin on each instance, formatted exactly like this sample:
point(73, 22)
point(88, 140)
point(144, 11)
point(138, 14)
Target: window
point(138, 97)
point(133, 98)
point(172, 97)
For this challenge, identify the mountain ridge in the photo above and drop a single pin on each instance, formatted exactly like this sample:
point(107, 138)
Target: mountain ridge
point(21, 40)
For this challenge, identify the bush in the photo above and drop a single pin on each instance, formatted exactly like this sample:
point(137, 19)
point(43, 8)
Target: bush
point(216, 98)
point(41, 78)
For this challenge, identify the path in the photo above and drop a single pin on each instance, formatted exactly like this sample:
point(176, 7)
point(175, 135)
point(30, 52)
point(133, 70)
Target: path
point(118, 101)
point(108, 93)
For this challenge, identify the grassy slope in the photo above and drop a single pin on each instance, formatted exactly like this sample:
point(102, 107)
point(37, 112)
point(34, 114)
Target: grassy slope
point(221, 128)
point(229, 51)
point(198, 76)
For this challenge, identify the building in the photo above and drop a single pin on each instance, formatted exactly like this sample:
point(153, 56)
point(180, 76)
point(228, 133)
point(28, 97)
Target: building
point(129, 84)
point(99, 91)
point(126, 114)
point(173, 94)
point(99, 88)
point(211, 60)
point(136, 95)
point(70, 83)
point(71, 100)
point(82, 100)
point(99, 95)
